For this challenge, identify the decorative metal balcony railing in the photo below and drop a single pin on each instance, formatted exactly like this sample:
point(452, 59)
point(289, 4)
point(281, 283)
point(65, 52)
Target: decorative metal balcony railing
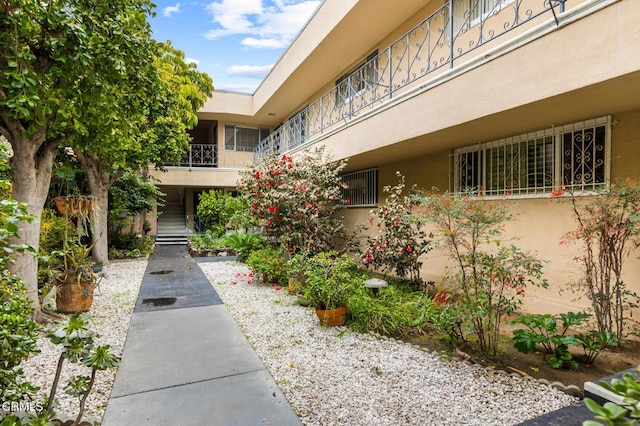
point(199, 155)
point(438, 43)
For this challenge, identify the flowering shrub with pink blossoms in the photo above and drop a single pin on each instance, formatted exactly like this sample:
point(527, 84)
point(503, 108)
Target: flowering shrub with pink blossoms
point(397, 241)
point(295, 199)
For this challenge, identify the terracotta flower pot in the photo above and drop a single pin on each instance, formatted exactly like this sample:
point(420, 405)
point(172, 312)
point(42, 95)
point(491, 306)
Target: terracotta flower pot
point(73, 295)
point(332, 317)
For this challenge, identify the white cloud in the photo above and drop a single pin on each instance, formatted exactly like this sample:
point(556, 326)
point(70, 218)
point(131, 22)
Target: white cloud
point(251, 71)
point(269, 43)
point(170, 10)
point(272, 24)
point(191, 61)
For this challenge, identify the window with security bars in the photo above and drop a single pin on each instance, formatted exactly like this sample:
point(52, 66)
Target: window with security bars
point(237, 138)
point(575, 155)
point(361, 188)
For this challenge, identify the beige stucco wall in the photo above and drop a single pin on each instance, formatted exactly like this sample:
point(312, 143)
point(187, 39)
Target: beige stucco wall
point(540, 222)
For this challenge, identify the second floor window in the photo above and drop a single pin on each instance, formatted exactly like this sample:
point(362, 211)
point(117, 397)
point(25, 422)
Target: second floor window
point(357, 81)
point(237, 138)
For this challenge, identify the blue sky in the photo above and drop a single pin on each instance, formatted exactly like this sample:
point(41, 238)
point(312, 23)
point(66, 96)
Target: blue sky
point(235, 41)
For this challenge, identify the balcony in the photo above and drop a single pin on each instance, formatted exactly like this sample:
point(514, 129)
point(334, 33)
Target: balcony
point(199, 155)
point(442, 43)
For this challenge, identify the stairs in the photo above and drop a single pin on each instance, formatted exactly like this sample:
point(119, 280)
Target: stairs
point(172, 228)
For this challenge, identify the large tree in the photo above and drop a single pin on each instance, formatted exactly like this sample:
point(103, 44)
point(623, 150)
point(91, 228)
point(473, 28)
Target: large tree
point(149, 134)
point(50, 55)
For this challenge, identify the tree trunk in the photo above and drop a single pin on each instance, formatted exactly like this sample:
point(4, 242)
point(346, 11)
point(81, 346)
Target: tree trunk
point(31, 167)
point(100, 182)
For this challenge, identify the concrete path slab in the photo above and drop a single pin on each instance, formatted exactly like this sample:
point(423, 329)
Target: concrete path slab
point(180, 346)
point(242, 400)
point(185, 361)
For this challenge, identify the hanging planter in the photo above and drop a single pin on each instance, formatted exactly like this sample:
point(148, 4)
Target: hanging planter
point(76, 204)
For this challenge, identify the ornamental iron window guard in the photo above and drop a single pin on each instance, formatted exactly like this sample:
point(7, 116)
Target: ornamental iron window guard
point(575, 155)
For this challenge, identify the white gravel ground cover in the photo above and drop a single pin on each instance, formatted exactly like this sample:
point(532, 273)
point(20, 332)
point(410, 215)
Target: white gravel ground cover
point(113, 303)
point(333, 376)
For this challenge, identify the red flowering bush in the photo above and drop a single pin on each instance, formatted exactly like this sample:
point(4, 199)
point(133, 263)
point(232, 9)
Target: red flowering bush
point(294, 198)
point(397, 242)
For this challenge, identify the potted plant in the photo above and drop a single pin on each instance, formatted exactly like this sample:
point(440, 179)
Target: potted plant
point(330, 280)
point(76, 280)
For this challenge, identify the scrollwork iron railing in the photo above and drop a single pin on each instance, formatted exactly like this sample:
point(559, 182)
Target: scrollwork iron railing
point(199, 155)
point(438, 43)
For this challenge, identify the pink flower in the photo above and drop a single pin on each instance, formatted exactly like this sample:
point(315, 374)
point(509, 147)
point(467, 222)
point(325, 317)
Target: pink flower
point(408, 249)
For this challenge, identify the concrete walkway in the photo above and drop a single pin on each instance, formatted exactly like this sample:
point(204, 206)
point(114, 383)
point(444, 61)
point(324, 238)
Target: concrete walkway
point(185, 361)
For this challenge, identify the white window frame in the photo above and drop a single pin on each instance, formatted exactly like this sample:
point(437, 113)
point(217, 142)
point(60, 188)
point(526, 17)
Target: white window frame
point(481, 155)
point(262, 133)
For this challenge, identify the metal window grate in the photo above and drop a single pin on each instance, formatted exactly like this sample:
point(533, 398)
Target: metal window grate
point(575, 155)
point(361, 188)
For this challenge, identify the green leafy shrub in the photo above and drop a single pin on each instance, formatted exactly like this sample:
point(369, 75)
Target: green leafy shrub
point(244, 242)
point(126, 245)
point(207, 240)
point(18, 337)
point(489, 283)
point(331, 279)
point(551, 333)
point(395, 312)
point(397, 241)
point(270, 262)
point(220, 212)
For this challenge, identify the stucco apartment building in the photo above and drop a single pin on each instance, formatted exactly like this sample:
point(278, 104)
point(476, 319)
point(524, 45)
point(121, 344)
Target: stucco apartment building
point(517, 96)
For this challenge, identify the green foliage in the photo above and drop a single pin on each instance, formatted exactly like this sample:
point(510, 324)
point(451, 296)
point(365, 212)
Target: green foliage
point(593, 343)
point(550, 332)
point(608, 229)
point(244, 242)
point(449, 319)
point(78, 345)
point(613, 414)
point(395, 312)
point(128, 245)
point(295, 200)
point(18, 333)
point(270, 262)
point(331, 279)
point(131, 194)
point(18, 337)
point(220, 212)
point(207, 240)
point(397, 242)
point(490, 282)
